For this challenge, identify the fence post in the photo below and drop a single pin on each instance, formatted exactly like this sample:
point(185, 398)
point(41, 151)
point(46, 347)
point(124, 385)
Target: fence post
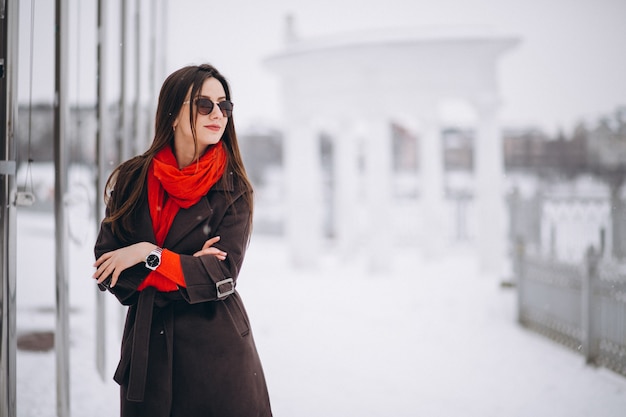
point(590, 339)
point(518, 267)
point(513, 200)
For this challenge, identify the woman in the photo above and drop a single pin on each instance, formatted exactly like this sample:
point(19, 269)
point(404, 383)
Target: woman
point(177, 225)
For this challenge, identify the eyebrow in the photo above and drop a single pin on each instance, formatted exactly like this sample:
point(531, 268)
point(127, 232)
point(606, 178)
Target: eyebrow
point(219, 98)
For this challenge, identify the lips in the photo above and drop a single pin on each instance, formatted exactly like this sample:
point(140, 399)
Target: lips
point(214, 128)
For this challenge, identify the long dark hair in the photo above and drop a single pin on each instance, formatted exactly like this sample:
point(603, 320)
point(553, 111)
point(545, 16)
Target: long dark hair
point(126, 186)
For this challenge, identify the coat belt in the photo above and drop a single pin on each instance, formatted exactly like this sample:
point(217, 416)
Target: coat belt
point(137, 361)
point(141, 345)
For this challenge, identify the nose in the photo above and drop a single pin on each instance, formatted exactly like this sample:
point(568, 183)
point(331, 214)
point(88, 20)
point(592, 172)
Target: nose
point(216, 112)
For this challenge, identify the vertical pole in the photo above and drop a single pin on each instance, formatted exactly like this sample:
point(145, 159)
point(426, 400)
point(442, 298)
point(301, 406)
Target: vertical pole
point(152, 73)
point(60, 184)
point(519, 266)
point(9, 18)
point(379, 163)
point(489, 174)
point(617, 223)
point(304, 192)
point(590, 342)
point(137, 138)
point(346, 180)
point(122, 130)
point(432, 183)
point(163, 41)
point(102, 123)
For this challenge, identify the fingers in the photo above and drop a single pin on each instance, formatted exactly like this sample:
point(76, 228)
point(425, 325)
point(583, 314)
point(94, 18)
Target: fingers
point(208, 249)
point(219, 254)
point(114, 278)
point(104, 270)
point(103, 266)
point(102, 259)
point(211, 242)
point(108, 265)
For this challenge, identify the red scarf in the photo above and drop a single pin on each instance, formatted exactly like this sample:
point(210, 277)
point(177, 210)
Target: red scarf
point(171, 188)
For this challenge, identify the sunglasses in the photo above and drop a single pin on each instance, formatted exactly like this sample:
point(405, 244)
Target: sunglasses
point(205, 106)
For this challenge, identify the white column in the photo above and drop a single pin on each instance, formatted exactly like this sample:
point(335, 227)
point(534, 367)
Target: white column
point(379, 194)
point(489, 172)
point(303, 182)
point(346, 193)
point(431, 188)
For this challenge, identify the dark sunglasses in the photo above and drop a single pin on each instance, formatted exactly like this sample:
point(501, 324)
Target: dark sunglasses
point(205, 106)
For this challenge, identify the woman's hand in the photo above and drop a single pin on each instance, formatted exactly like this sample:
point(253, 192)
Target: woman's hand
point(114, 262)
point(208, 249)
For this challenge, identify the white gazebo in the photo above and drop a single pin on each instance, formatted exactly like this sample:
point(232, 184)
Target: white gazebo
point(350, 89)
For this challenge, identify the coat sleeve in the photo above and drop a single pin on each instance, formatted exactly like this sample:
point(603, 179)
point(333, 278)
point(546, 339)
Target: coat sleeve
point(126, 288)
point(209, 279)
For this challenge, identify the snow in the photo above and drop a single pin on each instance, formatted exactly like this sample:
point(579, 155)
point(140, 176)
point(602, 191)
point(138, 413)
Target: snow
point(426, 338)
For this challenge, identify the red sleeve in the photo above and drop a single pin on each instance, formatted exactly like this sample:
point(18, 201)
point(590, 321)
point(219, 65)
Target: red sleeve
point(168, 276)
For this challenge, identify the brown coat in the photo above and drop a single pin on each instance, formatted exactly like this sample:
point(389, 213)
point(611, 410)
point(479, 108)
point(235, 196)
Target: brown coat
point(190, 353)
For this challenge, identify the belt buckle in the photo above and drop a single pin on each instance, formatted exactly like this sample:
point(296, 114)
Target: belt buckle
point(229, 291)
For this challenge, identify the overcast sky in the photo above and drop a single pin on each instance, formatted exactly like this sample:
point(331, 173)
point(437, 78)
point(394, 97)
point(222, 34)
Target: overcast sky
point(569, 66)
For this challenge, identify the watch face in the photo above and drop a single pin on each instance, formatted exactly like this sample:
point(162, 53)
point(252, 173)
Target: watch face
point(152, 261)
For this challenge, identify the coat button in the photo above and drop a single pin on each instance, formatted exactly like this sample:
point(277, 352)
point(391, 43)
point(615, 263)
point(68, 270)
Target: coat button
point(161, 332)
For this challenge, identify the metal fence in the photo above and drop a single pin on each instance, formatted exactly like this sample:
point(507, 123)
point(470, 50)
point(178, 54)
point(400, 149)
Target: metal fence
point(581, 306)
point(563, 227)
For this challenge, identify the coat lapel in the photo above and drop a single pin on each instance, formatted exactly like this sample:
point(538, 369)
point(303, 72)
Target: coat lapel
point(186, 220)
point(145, 231)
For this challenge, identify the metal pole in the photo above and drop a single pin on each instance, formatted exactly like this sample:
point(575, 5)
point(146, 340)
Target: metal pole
point(122, 131)
point(102, 124)
point(137, 139)
point(9, 18)
point(589, 320)
point(158, 36)
point(61, 338)
point(152, 75)
point(520, 277)
point(162, 50)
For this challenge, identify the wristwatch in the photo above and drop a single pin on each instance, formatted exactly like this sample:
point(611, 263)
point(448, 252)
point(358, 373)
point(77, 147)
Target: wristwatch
point(153, 260)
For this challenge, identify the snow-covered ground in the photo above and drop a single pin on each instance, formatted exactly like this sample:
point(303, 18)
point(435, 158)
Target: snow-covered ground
point(427, 338)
